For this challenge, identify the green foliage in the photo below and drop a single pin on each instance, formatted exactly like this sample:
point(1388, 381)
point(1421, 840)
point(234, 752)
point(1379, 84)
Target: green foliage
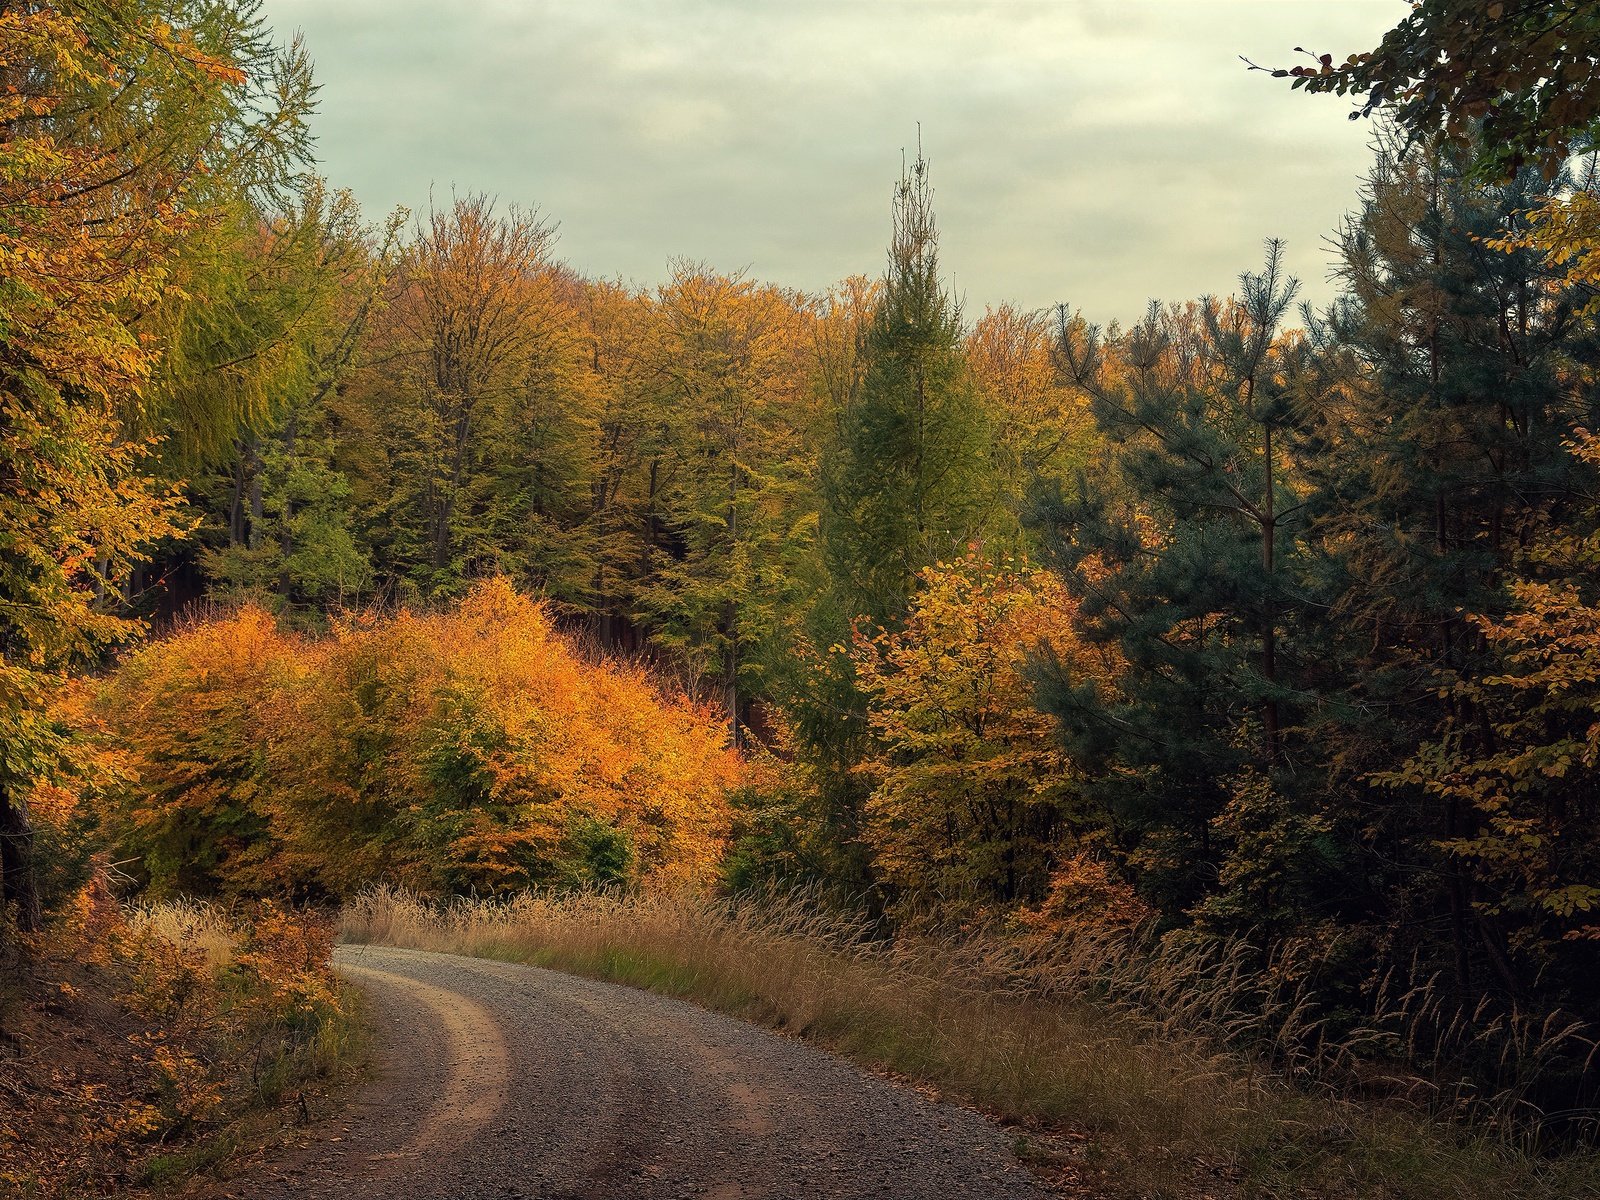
point(594, 854)
point(1182, 549)
point(906, 479)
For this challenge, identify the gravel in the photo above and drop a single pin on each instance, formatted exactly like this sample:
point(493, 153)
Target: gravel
point(497, 1080)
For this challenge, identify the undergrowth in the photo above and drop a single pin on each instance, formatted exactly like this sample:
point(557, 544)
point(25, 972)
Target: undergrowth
point(153, 1043)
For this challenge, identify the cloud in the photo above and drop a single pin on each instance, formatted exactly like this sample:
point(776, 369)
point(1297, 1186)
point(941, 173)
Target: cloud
point(1091, 151)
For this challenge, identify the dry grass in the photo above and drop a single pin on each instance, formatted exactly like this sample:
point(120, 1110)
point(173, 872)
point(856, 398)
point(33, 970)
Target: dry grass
point(193, 926)
point(1143, 1058)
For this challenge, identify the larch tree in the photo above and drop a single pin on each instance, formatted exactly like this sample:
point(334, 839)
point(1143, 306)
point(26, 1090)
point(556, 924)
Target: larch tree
point(114, 119)
point(733, 363)
point(462, 325)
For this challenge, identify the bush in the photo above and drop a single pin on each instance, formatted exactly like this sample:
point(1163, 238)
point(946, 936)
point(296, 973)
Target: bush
point(468, 750)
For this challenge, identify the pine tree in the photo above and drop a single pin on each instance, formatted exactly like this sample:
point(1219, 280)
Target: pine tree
point(1182, 549)
point(1432, 466)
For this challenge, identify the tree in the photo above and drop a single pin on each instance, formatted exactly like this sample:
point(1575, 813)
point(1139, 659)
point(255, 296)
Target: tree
point(1518, 80)
point(460, 329)
point(1440, 454)
point(972, 801)
point(1041, 427)
point(903, 479)
point(733, 365)
point(907, 479)
point(113, 119)
point(1534, 850)
point(285, 314)
point(1180, 551)
point(542, 452)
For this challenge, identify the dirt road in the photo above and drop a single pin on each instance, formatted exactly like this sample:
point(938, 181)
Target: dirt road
point(495, 1080)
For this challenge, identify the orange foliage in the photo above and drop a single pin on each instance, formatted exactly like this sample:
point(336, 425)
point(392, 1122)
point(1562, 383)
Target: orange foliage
point(971, 788)
point(467, 749)
point(137, 1044)
point(1086, 897)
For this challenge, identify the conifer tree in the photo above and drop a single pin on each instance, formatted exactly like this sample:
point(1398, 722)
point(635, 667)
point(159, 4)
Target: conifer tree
point(906, 480)
point(120, 125)
point(1181, 548)
point(1465, 368)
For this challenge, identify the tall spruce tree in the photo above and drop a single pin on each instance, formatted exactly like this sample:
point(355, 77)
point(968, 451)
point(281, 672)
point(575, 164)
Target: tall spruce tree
point(907, 479)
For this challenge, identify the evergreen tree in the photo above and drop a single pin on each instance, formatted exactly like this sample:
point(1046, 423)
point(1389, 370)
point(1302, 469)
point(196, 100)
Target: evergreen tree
point(280, 522)
point(1183, 548)
point(1431, 467)
point(907, 478)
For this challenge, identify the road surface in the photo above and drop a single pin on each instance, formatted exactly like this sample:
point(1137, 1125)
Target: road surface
point(497, 1081)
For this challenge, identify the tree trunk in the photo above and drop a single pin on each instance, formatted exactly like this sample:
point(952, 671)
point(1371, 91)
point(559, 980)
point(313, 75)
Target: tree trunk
point(291, 433)
point(17, 882)
point(1269, 631)
point(258, 511)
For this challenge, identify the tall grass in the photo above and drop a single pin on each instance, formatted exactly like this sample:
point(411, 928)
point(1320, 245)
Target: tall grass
point(194, 926)
point(1148, 1056)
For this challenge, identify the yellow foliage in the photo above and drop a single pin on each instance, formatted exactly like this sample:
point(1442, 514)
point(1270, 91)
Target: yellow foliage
point(971, 790)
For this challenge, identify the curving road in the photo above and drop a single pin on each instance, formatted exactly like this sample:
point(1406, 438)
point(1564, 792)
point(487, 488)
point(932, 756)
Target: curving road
point(497, 1080)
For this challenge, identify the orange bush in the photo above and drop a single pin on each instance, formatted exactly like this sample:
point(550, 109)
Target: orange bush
point(472, 749)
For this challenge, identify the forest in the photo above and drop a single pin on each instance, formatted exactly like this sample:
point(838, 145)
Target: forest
point(342, 551)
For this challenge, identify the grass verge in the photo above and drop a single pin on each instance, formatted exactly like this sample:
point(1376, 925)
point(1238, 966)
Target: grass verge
point(1113, 1099)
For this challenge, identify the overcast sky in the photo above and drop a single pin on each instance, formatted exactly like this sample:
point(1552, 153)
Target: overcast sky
point(1095, 151)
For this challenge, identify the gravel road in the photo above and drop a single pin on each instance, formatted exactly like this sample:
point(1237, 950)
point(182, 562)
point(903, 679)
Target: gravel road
point(496, 1080)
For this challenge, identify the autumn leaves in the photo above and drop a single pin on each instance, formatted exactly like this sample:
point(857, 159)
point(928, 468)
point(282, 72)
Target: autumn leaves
point(467, 750)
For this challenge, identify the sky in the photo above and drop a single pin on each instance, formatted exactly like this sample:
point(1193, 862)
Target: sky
point(1095, 152)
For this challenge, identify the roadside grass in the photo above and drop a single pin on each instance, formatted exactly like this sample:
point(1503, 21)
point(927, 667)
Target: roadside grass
point(1109, 1094)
